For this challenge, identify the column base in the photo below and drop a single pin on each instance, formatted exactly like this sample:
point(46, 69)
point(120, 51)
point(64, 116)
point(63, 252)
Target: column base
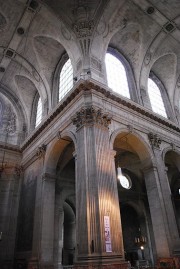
point(122, 265)
point(105, 261)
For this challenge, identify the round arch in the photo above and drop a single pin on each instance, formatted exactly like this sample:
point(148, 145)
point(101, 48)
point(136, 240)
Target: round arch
point(138, 144)
point(174, 155)
point(129, 72)
point(168, 149)
point(55, 89)
point(56, 148)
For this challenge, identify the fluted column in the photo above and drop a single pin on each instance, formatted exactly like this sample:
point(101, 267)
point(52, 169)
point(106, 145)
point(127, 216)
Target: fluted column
point(96, 191)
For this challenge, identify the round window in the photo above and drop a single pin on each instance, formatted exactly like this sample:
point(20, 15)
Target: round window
point(125, 181)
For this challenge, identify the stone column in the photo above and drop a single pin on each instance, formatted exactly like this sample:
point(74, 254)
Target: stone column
point(9, 201)
point(47, 221)
point(159, 195)
point(96, 192)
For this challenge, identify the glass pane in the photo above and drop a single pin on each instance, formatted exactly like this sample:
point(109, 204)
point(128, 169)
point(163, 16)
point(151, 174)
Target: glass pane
point(156, 98)
point(66, 79)
point(39, 113)
point(125, 183)
point(116, 75)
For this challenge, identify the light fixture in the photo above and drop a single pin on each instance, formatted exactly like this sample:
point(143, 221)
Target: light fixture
point(140, 241)
point(119, 173)
point(124, 179)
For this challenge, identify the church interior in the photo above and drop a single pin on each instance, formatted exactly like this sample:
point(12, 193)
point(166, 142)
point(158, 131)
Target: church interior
point(89, 134)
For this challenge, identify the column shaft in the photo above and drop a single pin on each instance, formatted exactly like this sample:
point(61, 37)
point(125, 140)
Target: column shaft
point(96, 195)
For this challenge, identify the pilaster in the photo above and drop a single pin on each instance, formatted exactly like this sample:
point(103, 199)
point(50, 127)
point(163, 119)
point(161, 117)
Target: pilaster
point(47, 221)
point(156, 210)
point(159, 195)
point(58, 236)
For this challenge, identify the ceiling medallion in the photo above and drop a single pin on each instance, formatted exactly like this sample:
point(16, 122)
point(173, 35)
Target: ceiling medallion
point(33, 4)
point(2, 69)
point(20, 31)
point(169, 27)
point(10, 53)
point(150, 10)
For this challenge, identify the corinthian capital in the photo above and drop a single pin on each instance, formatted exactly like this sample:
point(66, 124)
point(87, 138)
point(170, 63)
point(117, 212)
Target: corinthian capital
point(155, 140)
point(41, 151)
point(91, 116)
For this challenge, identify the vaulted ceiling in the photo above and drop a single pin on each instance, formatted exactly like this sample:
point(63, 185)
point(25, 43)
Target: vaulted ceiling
point(35, 34)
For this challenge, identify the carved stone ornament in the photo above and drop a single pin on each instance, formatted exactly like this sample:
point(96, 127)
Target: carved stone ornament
point(130, 128)
point(155, 140)
point(18, 170)
point(84, 28)
point(90, 116)
point(147, 58)
point(173, 146)
point(41, 151)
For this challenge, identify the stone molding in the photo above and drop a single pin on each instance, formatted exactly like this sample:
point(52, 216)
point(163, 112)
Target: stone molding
point(91, 116)
point(10, 147)
point(86, 86)
point(84, 28)
point(155, 140)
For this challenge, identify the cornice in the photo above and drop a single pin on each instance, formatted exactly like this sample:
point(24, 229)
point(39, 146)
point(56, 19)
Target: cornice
point(90, 85)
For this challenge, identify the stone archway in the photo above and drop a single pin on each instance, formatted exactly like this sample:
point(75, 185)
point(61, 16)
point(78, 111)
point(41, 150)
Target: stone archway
point(58, 196)
point(132, 155)
point(172, 163)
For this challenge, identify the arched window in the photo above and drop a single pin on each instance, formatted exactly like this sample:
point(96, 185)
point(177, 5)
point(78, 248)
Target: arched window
point(66, 79)
point(38, 112)
point(116, 75)
point(155, 97)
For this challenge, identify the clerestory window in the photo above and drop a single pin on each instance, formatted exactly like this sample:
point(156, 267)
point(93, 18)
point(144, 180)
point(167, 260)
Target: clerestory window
point(155, 97)
point(38, 112)
point(66, 79)
point(116, 75)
